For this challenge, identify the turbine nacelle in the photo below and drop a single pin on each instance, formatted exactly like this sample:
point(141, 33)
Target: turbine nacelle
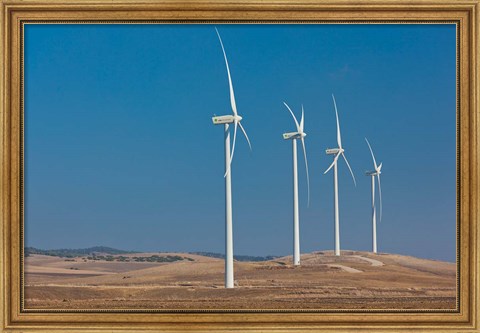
point(229, 119)
point(333, 151)
point(294, 135)
point(375, 172)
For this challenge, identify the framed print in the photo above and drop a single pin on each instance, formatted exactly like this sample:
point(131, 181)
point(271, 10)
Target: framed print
point(254, 166)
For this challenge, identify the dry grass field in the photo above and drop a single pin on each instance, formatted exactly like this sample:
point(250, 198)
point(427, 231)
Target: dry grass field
point(355, 280)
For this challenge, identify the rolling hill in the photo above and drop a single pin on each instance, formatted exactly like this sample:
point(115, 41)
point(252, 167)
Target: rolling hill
point(355, 280)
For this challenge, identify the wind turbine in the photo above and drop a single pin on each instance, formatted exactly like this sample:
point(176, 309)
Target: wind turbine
point(337, 152)
point(376, 172)
point(226, 121)
point(299, 134)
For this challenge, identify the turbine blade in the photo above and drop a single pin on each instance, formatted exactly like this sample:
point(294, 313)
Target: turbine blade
point(306, 169)
point(354, 181)
point(371, 151)
point(339, 136)
point(227, 133)
point(232, 95)
point(301, 121)
point(296, 122)
point(234, 140)
point(380, 194)
point(246, 136)
point(233, 149)
point(333, 163)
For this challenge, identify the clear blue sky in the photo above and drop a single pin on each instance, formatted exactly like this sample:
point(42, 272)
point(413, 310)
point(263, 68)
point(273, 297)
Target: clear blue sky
point(121, 150)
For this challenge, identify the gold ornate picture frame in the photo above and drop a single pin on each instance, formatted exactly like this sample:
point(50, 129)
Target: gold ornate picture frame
point(464, 14)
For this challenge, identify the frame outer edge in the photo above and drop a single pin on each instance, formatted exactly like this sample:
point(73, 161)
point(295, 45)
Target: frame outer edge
point(4, 167)
point(475, 47)
point(5, 155)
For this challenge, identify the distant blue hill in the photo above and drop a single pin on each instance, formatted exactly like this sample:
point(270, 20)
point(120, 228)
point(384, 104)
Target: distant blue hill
point(72, 253)
point(236, 257)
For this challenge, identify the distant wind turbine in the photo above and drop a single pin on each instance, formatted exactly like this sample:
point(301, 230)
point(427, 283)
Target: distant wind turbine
point(226, 120)
point(299, 134)
point(337, 152)
point(376, 172)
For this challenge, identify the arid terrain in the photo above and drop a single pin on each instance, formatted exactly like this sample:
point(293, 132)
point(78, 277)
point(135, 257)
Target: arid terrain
point(355, 280)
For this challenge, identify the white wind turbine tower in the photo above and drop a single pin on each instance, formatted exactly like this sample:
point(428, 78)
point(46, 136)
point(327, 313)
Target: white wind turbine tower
point(226, 121)
point(337, 152)
point(376, 172)
point(299, 134)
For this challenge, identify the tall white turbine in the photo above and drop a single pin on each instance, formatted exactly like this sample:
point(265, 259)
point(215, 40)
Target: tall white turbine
point(337, 152)
point(299, 134)
point(376, 172)
point(226, 121)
